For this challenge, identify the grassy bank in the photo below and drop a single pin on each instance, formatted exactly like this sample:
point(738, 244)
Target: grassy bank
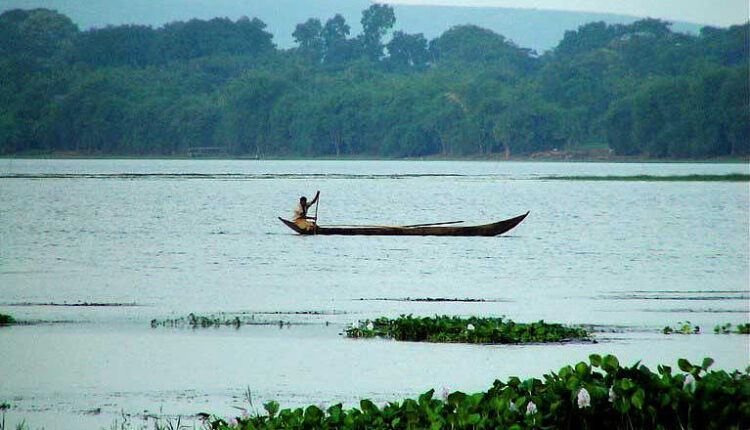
point(465, 330)
point(600, 394)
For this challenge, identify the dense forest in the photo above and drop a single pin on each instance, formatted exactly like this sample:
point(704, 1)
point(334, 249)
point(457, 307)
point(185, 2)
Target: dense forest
point(638, 89)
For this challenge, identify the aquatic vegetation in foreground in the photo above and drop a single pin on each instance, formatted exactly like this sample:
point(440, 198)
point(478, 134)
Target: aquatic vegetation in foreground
point(6, 319)
point(465, 330)
point(599, 394)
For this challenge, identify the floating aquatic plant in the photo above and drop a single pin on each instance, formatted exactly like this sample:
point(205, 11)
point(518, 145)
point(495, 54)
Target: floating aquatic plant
point(682, 328)
point(6, 319)
point(599, 393)
point(727, 329)
point(465, 330)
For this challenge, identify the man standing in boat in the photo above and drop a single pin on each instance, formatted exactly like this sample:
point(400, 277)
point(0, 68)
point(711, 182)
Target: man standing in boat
point(300, 213)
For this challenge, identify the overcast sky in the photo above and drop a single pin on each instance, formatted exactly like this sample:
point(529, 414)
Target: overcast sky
point(713, 12)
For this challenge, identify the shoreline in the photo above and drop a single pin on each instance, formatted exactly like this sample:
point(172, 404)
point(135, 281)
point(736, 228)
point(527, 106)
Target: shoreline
point(490, 158)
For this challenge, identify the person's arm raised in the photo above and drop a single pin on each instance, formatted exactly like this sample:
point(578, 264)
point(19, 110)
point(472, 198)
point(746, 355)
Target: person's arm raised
point(314, 199)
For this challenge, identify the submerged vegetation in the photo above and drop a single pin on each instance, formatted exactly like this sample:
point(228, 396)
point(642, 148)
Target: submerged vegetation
point(222, 87)
point(464, 330)
point(6, 319)
point(201, 321)
point(600, 394)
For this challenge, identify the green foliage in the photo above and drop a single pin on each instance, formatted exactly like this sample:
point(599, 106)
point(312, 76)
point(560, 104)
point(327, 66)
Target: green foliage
point(727, 329)
point(597, 394)
point(464, 330)
point(638, 89)
point(682, 328)
point(6, 319)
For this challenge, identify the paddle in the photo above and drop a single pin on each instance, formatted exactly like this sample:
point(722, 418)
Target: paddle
point(317, 203)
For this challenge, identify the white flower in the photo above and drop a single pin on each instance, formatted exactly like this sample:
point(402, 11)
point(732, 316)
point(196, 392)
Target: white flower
point(512, 407)
point(584, 400)
point(232, 422)
point(689, 383)
point(531, 408)
point(470, 327)
point(446, 393)
point(370, 326)
point(612, 395)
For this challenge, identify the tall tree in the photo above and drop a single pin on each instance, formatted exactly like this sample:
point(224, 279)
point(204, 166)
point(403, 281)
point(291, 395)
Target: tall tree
point(309, 36)
point(376, 21)
point(407, 51)
point(337, 47)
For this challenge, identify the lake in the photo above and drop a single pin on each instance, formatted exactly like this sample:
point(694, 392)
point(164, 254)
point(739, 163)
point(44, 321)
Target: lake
point(93, 250)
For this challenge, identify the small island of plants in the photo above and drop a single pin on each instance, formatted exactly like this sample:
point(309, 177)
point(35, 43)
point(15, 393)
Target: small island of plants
point(6, 320)
point(451, 329)
point(688, 328)
point(599, 394)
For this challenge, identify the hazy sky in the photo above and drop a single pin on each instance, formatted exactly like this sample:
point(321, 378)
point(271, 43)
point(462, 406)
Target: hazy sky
point(712, 12)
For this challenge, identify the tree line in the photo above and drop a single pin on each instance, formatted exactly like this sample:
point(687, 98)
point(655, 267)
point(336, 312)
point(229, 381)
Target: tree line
point(637, 89)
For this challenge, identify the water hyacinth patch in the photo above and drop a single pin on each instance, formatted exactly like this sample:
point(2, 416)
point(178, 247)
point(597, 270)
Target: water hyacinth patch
point(465, 330)
point(6, 320)
point(575, 397)
point(682, 328)
point(727, 329)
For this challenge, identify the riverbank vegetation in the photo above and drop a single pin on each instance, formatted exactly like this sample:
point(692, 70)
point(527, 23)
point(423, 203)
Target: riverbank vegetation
point(464, 330)
point(597, 394)
point(221, 87)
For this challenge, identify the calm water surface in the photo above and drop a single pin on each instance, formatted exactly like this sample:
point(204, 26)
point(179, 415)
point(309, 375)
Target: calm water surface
point(161, 239)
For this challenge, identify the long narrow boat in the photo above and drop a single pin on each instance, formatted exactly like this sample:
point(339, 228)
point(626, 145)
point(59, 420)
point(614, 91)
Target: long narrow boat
point(493, 229)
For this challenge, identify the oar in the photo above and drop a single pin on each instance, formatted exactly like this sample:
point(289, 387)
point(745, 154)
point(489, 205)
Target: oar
point(317, 203)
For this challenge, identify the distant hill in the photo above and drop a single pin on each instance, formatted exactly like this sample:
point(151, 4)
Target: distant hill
point(537, 29)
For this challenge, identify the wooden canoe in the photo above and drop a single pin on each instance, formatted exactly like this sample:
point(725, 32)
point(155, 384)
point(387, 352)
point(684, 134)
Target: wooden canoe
point(493, 229)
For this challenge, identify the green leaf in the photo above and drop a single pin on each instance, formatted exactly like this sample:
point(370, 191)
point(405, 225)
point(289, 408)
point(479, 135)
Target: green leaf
point(637, 398)
point(582, 369)
point(368, 406)
point(626, 384)
point(425, 398)
point(271, 407)
point(707, 362)
point(685, 365)
point(595, 359)
point(313, 415)
point(610, 363)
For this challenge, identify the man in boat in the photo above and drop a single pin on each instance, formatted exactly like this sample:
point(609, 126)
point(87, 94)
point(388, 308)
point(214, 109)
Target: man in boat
point(300, 213)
